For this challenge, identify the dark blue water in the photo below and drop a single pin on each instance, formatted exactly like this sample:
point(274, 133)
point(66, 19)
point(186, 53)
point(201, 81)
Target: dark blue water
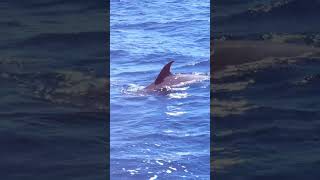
point(266, 113)
point(52, 109)
point(159, 136)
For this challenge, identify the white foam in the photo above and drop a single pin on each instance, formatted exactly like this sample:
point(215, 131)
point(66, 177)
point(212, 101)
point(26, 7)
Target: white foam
point(159, 163)
point(176, 113)
point(154, 177)
point(178, 95)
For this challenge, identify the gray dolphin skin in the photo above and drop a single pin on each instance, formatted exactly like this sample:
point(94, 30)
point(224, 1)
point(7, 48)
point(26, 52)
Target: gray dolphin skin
point(167, 80)
point(236, 52)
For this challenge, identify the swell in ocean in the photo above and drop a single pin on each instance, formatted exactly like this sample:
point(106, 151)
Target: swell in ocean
point(265, 113)
point(53, 95)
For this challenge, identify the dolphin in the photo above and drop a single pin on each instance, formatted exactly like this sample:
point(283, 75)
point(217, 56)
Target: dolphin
point(236, 52)
point(167, 80)
point(231, 52)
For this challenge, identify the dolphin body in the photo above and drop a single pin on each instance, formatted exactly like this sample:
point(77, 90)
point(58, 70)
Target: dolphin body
point(236, 52)
point(231, 52)
point(166, 80)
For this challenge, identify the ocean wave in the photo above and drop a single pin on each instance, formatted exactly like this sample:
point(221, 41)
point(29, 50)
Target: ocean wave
point(175, 136)
point(166, 25)
point(265, 63)
point(309, 80)
point(65, 87)
point(278, 16)
point(34, 4)
point(241, 90)
point(12, 24)
point(64, 39)
point(235, 86)
point(203, 63)
point(269, 134)
point(119, 53)
point(222, 108)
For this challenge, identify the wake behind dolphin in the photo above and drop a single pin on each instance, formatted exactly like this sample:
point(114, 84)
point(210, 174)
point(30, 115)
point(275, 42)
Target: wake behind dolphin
point(167, 80)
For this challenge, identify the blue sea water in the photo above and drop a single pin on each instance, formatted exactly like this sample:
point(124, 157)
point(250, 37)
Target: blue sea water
point(159, 136)
point(266, 113)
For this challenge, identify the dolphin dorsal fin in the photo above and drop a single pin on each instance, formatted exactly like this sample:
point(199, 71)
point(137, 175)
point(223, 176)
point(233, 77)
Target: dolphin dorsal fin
point(165, 72)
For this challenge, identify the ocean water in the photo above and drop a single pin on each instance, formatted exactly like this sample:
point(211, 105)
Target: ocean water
point(159, 136)
point(53, 90)
point(266, 113)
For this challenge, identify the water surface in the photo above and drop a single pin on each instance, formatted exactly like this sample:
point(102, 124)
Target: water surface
point(159, 136)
